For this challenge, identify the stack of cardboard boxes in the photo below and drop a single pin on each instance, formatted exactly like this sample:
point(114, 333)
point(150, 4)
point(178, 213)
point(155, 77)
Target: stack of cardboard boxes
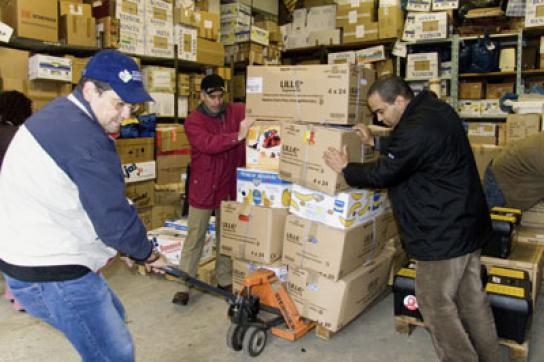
point(197, 35)
point(76, 24)
point(375, 57)
point(333, 240)
point(160, 83)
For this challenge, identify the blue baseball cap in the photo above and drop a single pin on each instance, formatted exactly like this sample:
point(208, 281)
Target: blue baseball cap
point(121, 72)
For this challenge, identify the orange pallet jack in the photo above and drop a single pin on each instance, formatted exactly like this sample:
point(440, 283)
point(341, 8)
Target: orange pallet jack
point(262, 292)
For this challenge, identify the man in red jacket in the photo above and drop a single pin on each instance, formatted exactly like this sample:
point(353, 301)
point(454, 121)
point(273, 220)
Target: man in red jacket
point(216, 132)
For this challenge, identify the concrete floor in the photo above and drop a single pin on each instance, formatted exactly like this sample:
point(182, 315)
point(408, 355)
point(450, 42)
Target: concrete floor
point(166, 332)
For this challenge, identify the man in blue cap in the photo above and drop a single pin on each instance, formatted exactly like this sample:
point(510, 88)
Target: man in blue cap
point(64, 214)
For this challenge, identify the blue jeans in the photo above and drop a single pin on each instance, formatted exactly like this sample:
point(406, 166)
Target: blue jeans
point(492, 191)
point(85, 309)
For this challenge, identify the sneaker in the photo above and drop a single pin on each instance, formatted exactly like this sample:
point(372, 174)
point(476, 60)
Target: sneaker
point(181, 298)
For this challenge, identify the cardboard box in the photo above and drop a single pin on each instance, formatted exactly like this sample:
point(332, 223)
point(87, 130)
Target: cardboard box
point(531, 235)
point(524, 256)
point(163, 105)
point(324, 37)
point(139, 171)
point(384, 68)
point(331, 252)
point(534, 217)
point(262, 188)
point(370, 55)
point(184, 88)
point(35, 19)
point(230, 24)
point(161, 213)
point(208, 25)
point(40, 92)
point(471, 90)
point(77, 30)
point(482, 133)
point(135, 149)
point(497, 90)
point(321, 17)
point(171, 167)
point(263, 146)
point(159, 79)
point(314, 93)
point(419, 5)
point(342, 210)
point(483, 154)
point(534, 13)
point(141, 193)
point(491, 107)
point(341, 58)
point(159, 41)
point(469, 108)
point(360, 33)
point(507, 59)
point(170, 137)
point(41, 66)
point(333, 304)
point(519, 126)
point(239, 86)
point(252, 33)
point(108, 31)
point(301, 159)
point(209, 52)
point(71, 7)
point(250, 232)
point(234, 10)
point(185, 16)
point(78, 65)
point(169, 193)
point(145, 216)
point(186, 39)
point(170, 242)
point(361, 12)
point(242, 268)
point(13, 64)
point(390, 22)
point(422, 66)
point(431, 25)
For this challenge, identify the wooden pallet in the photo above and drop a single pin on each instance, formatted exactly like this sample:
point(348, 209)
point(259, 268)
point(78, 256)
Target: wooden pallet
point(517, 352)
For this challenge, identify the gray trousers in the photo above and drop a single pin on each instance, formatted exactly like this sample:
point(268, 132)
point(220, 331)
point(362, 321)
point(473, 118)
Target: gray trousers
point(197, 223)
point(456, 310)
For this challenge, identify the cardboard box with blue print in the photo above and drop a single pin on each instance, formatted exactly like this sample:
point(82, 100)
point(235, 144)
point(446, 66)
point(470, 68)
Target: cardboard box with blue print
point(331, 252)
point(342, 210)
point(252, 232)
point(333, 304)
point(262, 188)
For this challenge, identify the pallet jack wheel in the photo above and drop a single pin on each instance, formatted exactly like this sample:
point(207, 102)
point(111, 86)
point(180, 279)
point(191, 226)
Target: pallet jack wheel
point(254, 341)
point(235, 337)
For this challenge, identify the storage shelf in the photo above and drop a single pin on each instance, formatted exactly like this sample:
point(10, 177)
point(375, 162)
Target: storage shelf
point(532, 72)
point(430, 41)
point(485, 116)
point(489, 74)
point(54, 48)
point(492, 36)
point(337, 47)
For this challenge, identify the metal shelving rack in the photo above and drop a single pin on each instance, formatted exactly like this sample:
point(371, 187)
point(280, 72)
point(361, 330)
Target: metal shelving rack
point(56, 48)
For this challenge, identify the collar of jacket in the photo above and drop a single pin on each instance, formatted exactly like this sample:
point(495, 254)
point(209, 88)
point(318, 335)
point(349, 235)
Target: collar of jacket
point(85, 104)
point(416, 101)
point(203, 109)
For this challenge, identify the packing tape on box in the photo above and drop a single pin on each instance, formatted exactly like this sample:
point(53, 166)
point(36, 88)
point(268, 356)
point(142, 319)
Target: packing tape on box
point(244, 215)
point(310, 232)
point(374, 243)
point(308, 137)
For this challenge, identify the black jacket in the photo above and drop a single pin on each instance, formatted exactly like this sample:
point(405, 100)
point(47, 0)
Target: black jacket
point(6, 134)
point(434, 185)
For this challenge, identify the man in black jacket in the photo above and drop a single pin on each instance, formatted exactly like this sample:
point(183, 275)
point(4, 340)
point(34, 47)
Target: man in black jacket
point(442, 214)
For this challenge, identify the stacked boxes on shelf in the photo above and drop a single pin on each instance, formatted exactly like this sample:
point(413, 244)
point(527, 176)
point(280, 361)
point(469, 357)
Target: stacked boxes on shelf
point(159, 29)
point(76, 24)
point(160, 83)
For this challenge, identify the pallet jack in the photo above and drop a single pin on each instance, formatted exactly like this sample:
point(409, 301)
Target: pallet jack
point(262, 292)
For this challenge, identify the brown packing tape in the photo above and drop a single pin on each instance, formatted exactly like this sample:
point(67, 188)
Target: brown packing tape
point(310, 231)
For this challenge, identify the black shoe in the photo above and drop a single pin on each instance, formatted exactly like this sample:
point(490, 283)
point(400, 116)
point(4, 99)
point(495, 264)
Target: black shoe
point(181, 298)
point(226, 288)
